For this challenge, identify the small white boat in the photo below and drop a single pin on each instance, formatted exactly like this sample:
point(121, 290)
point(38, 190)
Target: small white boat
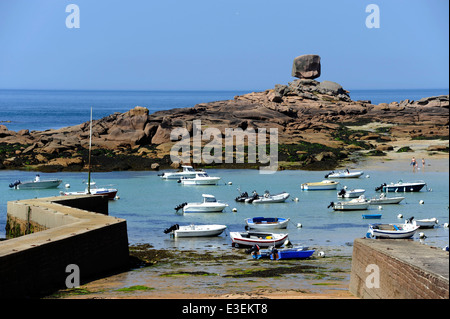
point(383, 200)
point(323, 185)
point(344, 174)
point(37, 183)
point(352, 193)
point(393, 231)
point(262, 239)
point(192, 230)
point(265, 223)
point(200, 179)
point(359, 203)
point(267, 198)
point(209, 205)
point(427, 222)
point(187, 171)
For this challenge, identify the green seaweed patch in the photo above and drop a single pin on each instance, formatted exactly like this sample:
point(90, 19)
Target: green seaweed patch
point(404, 149)
point(189, 273)
point(135, 288)
point(274, 271)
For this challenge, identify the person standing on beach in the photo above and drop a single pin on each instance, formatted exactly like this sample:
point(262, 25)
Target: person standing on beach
point(423, 164)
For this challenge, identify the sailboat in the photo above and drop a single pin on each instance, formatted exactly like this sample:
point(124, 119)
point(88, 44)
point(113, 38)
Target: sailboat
point(91, 187)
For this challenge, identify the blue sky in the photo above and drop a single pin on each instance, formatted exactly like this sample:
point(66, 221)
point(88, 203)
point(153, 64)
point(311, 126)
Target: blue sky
point(221, 44)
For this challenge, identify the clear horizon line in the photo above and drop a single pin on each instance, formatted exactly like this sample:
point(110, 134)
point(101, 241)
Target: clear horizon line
point(210, 90)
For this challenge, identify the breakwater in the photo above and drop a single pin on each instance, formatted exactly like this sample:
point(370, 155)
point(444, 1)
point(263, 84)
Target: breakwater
point(60, 233)
point(398, 269)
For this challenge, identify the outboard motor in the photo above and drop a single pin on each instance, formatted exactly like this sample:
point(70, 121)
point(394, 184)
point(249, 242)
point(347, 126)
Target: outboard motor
point(342, 192)
point(172, 228)
point(331, 205)
point(409, 220)
point(326, 176)
point(16, 182)
point(180, 206)
point(379, 188)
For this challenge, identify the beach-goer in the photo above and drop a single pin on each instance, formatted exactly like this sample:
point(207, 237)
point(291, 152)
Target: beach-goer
point(413, 163)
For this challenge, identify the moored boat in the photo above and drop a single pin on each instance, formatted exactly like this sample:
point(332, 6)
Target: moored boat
point(262, 239)
point(95, 190)
point(371, 216)
point(187, 171)
point(383, 200)
point(264, 223)
point(350, 193)
point(268, 198)
point(359, 203)
point(393, 231)
point(208, 205)
point(200, 179)
point(344, 174)
point(401, 186)
point(37, 183)
point(427, 222)
point(192, 230)
point(291, 253)
point(323, 185)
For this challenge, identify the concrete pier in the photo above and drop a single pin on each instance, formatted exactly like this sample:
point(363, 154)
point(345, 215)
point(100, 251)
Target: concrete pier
point(398, 269)
point(59, 233)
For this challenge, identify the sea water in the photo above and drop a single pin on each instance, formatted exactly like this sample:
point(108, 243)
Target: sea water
point(147, 203)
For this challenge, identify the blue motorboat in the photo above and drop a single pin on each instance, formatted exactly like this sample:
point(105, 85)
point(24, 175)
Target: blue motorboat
point(371, 216)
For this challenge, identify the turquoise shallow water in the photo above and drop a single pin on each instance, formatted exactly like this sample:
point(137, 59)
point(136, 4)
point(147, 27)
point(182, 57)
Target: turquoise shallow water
point(147, 203)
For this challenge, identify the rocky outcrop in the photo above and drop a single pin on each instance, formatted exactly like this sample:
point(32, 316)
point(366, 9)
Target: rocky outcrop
point(310, 115)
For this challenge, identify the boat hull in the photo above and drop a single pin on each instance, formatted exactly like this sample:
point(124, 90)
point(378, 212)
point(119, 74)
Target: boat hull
point(404, 187)
point(200, 181)
point(426, 223)
point(354, 193)
point(261, 223)
point(202, 208)
point(386, 201)
point(199, 231)
point(254, 238)
point(371, 216)
point(402, 231)
point(279, 198)
point(328, 185)
point(345, 175)
point(40, 185)
point(291, 254)
point(350, 206)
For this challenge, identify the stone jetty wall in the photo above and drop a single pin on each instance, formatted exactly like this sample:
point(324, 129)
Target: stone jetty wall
point(37, 264)
point(399, 269)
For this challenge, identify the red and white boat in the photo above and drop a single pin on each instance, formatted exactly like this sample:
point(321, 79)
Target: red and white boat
point(94, 190)
point(262, 239)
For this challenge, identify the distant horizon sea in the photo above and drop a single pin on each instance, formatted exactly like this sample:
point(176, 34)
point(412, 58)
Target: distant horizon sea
point(41, 110)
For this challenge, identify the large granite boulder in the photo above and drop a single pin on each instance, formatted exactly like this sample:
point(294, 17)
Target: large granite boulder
point(306, 66)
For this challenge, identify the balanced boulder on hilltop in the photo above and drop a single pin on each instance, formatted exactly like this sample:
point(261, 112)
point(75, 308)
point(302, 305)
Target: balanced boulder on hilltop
point(306, 66)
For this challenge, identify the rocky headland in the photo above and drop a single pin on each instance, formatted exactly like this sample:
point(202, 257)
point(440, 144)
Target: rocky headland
point(318, 128)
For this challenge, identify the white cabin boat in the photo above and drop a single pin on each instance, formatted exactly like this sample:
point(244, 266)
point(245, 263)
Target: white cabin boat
point(187, 172)
point(95, 190)
point(200, 179)
point(209, 205)
point(37, 183)
point(323, 185)
point(352, 193)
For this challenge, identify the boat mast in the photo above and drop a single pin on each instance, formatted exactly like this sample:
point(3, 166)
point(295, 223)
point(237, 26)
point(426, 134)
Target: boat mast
point(90, 146)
